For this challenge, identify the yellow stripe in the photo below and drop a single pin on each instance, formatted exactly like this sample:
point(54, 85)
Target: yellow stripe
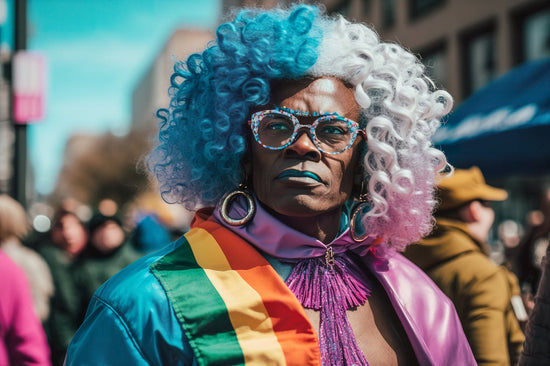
point(246, 310)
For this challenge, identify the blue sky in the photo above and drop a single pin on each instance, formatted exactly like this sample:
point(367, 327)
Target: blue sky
point(97, 50)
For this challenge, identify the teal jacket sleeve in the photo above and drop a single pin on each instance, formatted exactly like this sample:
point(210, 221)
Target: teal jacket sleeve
point(104, 339)
point(131, 321)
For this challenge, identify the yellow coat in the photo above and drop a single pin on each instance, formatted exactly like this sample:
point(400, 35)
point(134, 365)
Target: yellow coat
point(480, 290)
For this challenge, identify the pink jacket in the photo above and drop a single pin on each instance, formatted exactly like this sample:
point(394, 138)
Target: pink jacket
point(22, 338)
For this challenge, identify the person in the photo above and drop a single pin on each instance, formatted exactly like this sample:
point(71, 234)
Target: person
point(107, 253)
point(22, 338)
point(537, 334)
point(66, 240)
point(14, 227)
point(455, 255)
point(149, 233)
point(527, 262)
point(275, 129)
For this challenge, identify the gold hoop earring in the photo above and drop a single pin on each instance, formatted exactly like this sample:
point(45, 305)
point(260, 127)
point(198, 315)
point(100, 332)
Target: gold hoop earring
point(356, 235)
point(226, 203)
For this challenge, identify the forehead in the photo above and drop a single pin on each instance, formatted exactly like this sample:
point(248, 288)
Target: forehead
point(67, 219)
point(324, 95)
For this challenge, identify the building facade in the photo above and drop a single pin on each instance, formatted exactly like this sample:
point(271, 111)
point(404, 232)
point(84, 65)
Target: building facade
point(463, 43)
point(151, 91)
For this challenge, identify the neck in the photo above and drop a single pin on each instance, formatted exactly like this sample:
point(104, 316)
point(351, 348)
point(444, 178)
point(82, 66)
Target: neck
point(478, 232)
point(323, 227)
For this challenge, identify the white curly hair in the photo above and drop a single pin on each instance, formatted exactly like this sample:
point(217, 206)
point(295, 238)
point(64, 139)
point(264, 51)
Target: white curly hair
point(401, 110)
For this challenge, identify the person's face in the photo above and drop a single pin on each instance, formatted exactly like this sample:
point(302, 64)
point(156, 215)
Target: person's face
point(486, 218)
point(69, 234)
point(300, 180)
point(107, 237)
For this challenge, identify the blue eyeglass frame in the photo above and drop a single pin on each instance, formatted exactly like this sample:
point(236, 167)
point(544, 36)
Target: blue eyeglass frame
point(255, 119)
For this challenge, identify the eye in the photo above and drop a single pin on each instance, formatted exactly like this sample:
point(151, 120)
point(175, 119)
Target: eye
point(277, 125)
point(333, 130)
point(333, 127)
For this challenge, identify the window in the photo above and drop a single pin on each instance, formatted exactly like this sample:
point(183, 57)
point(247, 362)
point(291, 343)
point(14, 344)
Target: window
point(418, 8)
point(479, 59)
point(366, 8)
point(338, 7)
point(534, 31)
point(388, 13)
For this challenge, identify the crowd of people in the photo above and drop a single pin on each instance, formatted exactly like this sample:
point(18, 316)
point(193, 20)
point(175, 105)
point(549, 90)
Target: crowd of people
point(54, 275)
point(328, 228)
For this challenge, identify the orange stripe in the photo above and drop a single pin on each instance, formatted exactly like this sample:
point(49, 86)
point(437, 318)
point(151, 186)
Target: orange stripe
point(292, 328)
point(246, 310)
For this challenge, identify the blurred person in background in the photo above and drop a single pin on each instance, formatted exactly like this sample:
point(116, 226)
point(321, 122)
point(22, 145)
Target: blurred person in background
point(329, 128)
point(532, 247)
point(22, 338)
point(108, 251)
point(65, 241)
point(509, 233)
point(455, 255)
point(13, 228)
point(150, 234)
point(536, 349)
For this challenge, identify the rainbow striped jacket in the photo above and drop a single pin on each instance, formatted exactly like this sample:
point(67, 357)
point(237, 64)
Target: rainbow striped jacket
point(210, 298)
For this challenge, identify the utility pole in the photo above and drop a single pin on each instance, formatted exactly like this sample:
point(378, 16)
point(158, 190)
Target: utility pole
point(20, 156)
point(7, 136)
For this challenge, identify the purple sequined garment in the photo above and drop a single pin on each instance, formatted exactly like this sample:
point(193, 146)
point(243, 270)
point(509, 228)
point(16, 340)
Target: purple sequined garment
point(332, 286)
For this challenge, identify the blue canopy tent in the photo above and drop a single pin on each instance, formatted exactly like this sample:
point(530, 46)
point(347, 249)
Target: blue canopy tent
point(504, 128)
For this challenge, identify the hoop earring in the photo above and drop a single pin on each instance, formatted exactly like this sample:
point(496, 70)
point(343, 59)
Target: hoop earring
point(357, 211)
point(226, 203)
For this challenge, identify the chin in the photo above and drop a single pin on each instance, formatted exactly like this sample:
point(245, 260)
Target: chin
point(300, 206)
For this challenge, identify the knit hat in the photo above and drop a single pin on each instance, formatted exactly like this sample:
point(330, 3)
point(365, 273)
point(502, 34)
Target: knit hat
point(464, 186)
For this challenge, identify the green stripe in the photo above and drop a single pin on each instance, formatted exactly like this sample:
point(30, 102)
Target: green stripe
point(199, 308)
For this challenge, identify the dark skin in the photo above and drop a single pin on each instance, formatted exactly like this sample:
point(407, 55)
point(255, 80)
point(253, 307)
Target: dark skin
point(310, 206)
point(314, 206)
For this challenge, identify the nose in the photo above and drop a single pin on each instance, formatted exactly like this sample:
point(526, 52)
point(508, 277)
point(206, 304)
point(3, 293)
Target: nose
point(303, 146)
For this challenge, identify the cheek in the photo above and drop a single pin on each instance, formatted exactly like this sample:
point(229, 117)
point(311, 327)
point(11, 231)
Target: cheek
point(350, 167)
point(260, 169)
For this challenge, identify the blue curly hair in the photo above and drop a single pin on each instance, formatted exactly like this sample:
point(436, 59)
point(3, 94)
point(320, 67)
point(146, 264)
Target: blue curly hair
point(202, 134)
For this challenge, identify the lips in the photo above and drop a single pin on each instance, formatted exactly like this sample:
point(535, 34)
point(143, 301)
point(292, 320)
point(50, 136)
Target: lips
point(293, 174)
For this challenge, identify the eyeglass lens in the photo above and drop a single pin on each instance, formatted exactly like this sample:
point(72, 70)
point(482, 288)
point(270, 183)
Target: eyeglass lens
point(277, 130)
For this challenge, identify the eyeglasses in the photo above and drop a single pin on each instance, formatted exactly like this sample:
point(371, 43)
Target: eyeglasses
point(275, 129)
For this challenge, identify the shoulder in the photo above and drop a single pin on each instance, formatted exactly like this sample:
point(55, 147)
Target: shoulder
point(454, 257)
point(135, 281)
point(27, 258)
point(427, 315)
point(52, 254)
point(441, 247)
point(400, 271)
point(132, 310)
point(11, 274)
point(14, 288)
point(476, 265)
point(471, 275)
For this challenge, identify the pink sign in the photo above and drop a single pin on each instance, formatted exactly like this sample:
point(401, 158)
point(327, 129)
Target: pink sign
point(29, 86)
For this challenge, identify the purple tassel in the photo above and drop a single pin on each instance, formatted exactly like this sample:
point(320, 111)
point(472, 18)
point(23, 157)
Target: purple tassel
point(333, 289)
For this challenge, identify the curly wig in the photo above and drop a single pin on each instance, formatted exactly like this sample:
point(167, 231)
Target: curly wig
point(203, 135)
